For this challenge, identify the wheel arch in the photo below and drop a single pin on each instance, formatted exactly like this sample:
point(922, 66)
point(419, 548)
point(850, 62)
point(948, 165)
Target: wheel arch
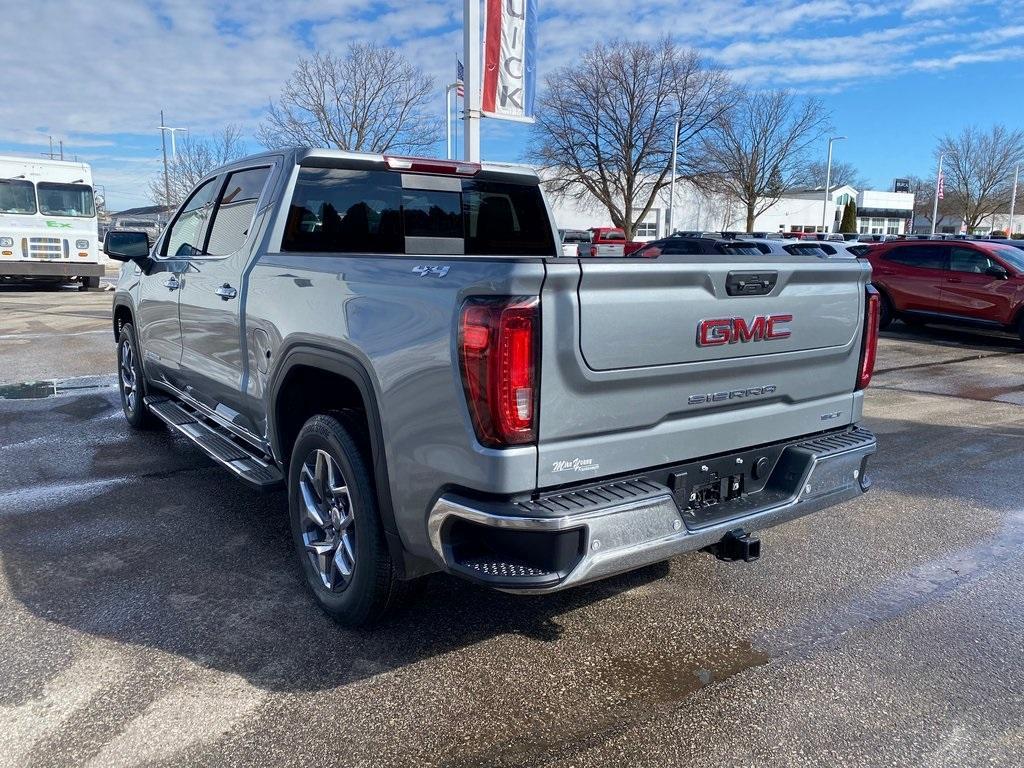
point(309, 360)
point(123, 313)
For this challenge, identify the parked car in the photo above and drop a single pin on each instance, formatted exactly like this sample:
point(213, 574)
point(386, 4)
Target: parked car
point(607, 242)
point(968, 282)
point(572, 239)
point(400, 345)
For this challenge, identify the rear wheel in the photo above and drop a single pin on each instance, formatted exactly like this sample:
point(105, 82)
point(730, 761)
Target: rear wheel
point(336, 525)
point(885, 313)
point(132, 382)
point(88, 282)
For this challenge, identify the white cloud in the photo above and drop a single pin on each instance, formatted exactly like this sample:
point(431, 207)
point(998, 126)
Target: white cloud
point(99, 73)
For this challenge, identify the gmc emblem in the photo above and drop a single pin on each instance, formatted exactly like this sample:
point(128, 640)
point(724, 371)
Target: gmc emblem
point(729, 330)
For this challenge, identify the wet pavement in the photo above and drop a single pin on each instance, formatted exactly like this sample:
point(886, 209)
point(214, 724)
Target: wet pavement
point(153, 615)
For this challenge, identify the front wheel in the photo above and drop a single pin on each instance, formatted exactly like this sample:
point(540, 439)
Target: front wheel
point(132, 382)
point(336, 526)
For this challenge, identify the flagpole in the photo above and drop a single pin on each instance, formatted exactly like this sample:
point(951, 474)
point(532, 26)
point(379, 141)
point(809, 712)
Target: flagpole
point(471, 101)
point(935, 203)
point(448, 122)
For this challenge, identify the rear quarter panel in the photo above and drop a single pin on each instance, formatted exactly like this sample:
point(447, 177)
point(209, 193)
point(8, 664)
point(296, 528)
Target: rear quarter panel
point(401, 325)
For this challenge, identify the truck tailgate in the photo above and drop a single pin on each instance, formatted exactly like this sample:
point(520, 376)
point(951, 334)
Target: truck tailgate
point(654, 362)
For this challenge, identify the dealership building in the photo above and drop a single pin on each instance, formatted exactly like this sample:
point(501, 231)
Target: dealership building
point(797, 210)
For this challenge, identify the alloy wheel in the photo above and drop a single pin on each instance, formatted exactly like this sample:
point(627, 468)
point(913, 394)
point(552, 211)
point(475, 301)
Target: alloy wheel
point(128, 378)
point(328, 523)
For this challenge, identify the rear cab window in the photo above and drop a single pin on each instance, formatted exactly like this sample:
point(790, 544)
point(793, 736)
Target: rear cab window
point(336, 210)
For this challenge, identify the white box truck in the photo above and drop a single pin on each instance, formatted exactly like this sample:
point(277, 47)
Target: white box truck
point(48, 226)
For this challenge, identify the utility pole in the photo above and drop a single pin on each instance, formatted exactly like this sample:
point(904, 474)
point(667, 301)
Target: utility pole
point(828, 180)
point(672, 185)
point(1013, 199)
point(163, 147)
point(471, 52)
point(935, 202)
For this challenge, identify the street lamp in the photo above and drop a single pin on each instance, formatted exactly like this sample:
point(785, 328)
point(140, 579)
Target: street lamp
point(828, 178)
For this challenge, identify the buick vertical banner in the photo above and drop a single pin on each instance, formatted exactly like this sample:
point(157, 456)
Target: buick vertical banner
point(510, 52)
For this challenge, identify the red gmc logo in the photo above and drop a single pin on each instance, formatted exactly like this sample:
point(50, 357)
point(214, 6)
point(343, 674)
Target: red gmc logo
point(729, 330)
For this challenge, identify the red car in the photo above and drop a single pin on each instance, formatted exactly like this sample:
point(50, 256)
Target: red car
point(968, 282)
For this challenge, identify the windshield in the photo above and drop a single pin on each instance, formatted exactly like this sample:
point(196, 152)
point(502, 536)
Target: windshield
point(17, 196)
point(65, 199)
point(1011, 254)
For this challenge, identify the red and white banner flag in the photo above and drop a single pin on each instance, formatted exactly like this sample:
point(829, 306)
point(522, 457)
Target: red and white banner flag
point(940, 187)
point(510, 52)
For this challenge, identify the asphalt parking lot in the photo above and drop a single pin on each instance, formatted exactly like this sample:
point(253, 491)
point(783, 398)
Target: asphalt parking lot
point(152, 613)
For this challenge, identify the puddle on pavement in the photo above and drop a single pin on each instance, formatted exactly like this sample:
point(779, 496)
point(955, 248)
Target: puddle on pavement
point(668, 677)
point(38, 390)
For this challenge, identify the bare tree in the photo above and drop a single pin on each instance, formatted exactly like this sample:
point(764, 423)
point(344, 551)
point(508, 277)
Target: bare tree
point(196, 157)
point(604, 126)
point(978, 169)
point(760, 148)
point(371, 99)
point(843, 173)
point(923, 190)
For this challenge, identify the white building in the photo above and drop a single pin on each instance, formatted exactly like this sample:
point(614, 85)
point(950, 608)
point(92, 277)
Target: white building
point(878, 213)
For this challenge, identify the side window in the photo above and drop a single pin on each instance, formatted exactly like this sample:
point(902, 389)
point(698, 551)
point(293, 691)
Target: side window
point(968, 260)
point(185, 238)
point(235, 211)
point(345, 211)
point(923, 256)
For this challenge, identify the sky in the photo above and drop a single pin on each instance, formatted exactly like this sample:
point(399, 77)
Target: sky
point(896, 74)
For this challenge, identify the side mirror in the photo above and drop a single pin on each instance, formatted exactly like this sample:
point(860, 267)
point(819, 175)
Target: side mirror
point(127, 246)
point(997, 271)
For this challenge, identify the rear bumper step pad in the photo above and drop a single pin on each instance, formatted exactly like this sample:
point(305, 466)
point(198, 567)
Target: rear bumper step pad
point(632, 522)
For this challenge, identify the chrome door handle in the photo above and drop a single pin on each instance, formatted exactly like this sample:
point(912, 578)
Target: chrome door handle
point(226, 292)
point(171, 283)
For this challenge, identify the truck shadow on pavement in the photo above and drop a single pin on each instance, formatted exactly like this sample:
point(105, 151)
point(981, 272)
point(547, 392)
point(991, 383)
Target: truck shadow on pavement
point(174, 555)
point(178, 557)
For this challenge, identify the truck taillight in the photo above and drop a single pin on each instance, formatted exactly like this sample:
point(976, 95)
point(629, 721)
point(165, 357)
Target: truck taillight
point(498, 349)
point(869, 347)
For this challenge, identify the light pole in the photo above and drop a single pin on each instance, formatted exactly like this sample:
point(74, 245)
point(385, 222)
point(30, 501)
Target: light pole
point(172, 131)
point(828, 179)
point(1013, 199)
point(672, 185)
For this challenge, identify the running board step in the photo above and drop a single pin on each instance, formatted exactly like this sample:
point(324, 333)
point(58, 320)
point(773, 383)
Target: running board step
point(216, 443)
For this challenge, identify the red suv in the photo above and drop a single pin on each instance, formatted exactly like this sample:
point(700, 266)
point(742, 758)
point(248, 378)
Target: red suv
point(971, 282)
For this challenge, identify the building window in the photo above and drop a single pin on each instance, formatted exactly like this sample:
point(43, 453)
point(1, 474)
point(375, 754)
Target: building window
point(646, 229)
point(862, 229)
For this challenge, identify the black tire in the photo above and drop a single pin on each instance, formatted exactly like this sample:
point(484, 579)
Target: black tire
point(885, 312)
point(89, 282)
point(132, 392)
point(1020, 327)
point(371, 589)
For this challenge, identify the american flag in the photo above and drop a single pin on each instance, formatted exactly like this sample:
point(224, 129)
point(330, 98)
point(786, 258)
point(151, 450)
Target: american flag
point(940, 190)
point(460, 76)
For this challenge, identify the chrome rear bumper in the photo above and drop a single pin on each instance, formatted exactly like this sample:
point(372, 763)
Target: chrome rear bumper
point(640, 520)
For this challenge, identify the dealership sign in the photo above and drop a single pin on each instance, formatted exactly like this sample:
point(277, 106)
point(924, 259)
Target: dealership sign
point(510, 59)
point(901, 185)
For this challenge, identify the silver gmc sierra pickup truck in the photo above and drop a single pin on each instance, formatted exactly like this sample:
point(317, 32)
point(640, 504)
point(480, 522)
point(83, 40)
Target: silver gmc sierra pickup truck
point(402, 346)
